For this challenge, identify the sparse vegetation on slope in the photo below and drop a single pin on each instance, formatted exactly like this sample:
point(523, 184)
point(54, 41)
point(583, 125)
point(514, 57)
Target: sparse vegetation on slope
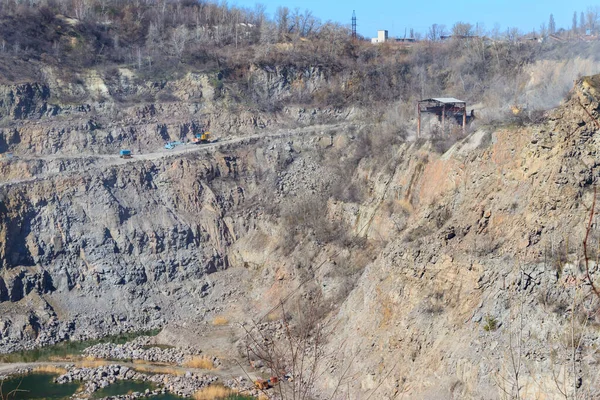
point(447, 265)
point(319, 62)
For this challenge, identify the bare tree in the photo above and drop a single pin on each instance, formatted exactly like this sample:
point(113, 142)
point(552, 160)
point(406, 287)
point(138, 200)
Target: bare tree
point(591, 17)
point(12, 393)
point(282, 19)
point(303, 24)
point(462, 29)
point(154, 42)
point(82, 8)
point(569, 380)
point(512, 34)
point(510, 381)
point(543, 30)
point(268, 33)
point(436, 32)
point(179, 38)
point(479, 29)
point(260, 18)
point(495, 32)
point(551, 25)
point(292, 349)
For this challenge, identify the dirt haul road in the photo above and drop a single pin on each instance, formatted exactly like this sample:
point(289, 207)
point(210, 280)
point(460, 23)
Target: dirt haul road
point(96, 161)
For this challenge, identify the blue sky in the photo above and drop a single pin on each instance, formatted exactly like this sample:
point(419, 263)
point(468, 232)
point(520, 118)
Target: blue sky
point(396, 15)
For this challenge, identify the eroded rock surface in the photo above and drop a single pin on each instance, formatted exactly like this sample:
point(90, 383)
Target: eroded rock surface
point(429, 265)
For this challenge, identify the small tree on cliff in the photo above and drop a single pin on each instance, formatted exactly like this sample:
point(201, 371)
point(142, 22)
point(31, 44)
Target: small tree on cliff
point(293, 348)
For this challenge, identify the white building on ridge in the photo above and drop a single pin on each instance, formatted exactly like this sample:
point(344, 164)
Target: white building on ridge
point(382, 37)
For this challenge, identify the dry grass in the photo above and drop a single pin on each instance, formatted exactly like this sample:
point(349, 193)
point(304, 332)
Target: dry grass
point(68, 357)
point(213, 392)
point(406, 206)
point(91, 362)
point(53, 369)
point(274, 316)
point(220, 320)
point(166, 364)
point(153, 369)
point(202, 362)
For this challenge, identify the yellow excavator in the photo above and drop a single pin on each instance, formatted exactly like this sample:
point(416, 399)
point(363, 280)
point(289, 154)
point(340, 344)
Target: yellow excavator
point(202, 137)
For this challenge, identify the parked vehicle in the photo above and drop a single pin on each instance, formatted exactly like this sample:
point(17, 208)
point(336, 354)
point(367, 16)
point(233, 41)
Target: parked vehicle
point(202, 138)
point(172, 145)
point(125, 154)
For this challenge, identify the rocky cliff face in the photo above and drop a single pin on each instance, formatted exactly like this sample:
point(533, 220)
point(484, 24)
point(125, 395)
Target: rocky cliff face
point(104, 245)
point(129, 237)
point(24, 101)
point(486, 293)
point(146, 224)
point(438, 270)
point(101, 112)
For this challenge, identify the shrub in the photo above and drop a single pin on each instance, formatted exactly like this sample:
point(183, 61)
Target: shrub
point(52, 369)
point(156, 369)
point(490, 323)
point(213, 392)
point(220, 320)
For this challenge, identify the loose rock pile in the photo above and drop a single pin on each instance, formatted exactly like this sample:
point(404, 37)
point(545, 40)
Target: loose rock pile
point(137, 350)
point(100, 377)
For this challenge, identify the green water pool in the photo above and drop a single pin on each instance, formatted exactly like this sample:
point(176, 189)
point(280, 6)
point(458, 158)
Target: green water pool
point(37, 386)
point(123, 387)
point(41, 386)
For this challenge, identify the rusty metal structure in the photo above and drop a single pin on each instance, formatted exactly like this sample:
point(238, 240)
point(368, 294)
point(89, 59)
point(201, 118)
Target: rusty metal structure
point(444, 108)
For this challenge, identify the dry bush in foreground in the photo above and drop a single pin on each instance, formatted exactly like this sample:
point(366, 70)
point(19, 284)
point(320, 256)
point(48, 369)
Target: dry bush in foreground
point(294, 350)
point(53, 369)
point(153, 369)
point(91, 362)
point(202, 362)
point(213, 392)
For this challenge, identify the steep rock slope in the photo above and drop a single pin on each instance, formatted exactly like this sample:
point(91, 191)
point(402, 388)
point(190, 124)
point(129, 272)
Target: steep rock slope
point(86, 251)
point(485, 294)
point(114, 230)
point(473, 258)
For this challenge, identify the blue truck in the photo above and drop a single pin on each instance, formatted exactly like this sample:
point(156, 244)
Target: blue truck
point(125, 154)
point(172, 145)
